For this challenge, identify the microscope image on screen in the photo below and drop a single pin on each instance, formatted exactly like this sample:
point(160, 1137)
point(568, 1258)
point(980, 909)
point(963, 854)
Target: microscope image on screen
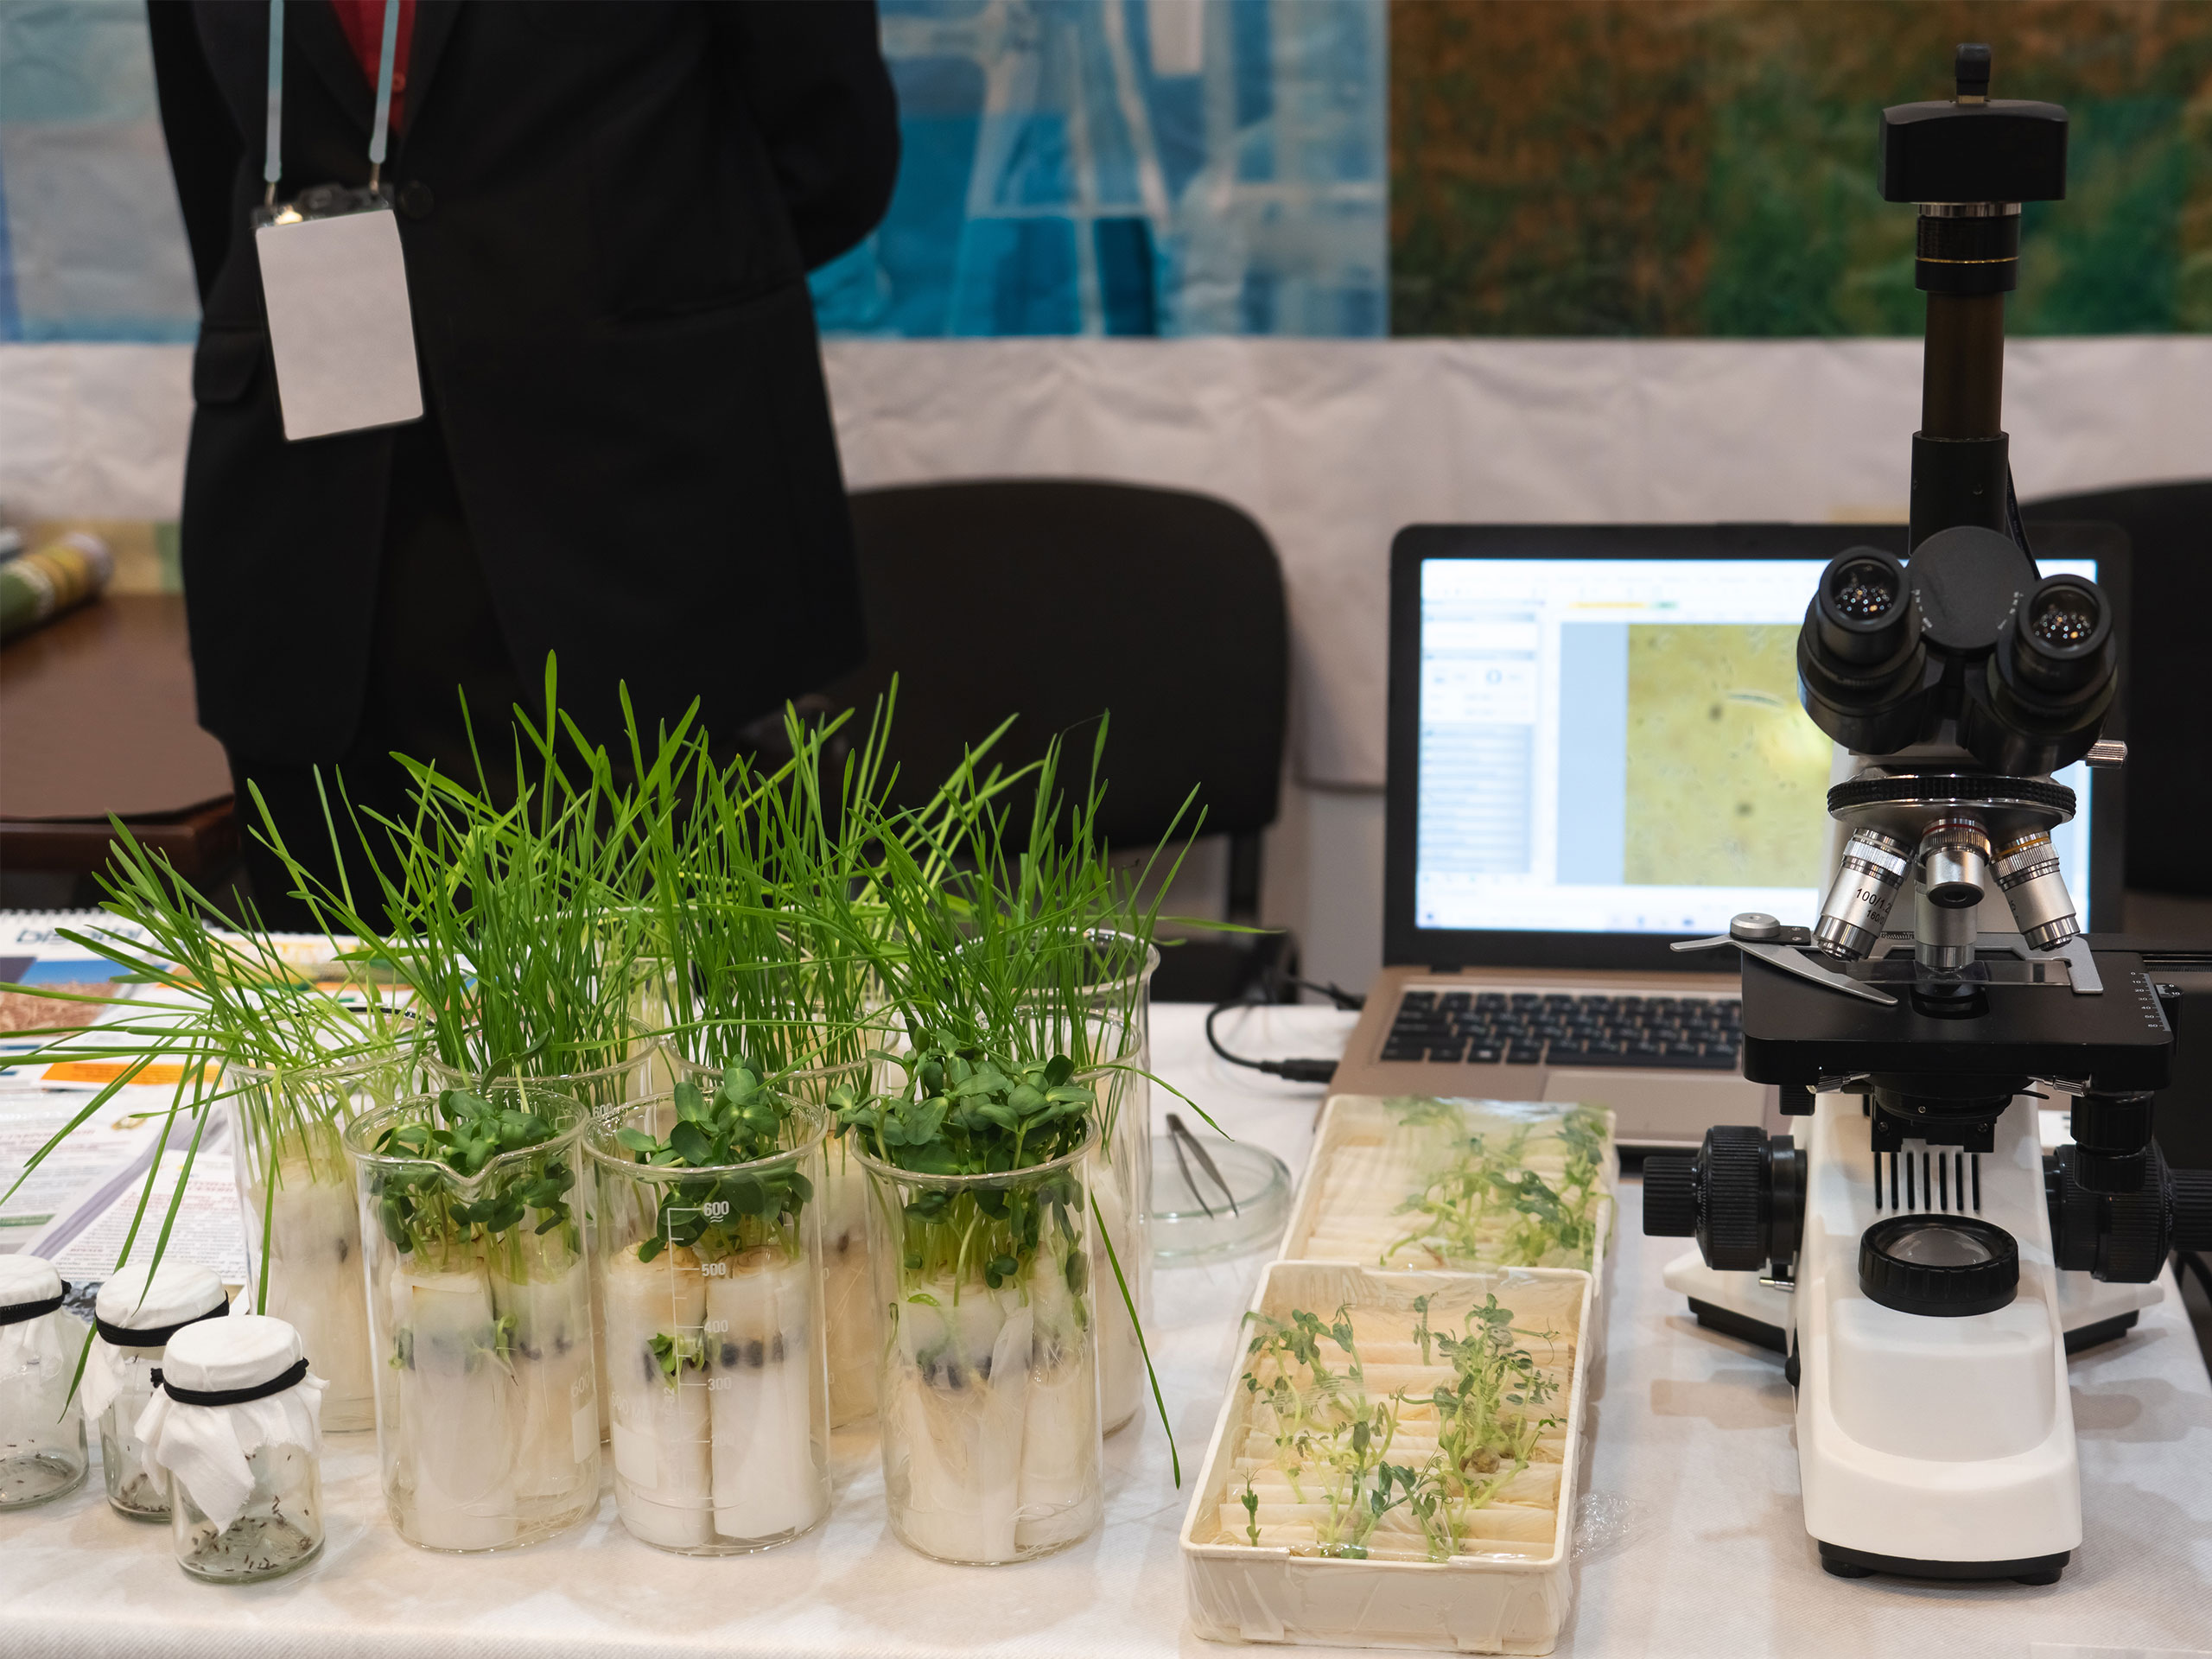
point(1924, 1266)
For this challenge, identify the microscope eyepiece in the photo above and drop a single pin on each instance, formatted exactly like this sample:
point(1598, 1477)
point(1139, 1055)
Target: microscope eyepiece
point(1863, 591)
point(1860, 656)
point(1864, 607)
point(2063, 616)
point(2066, 625)
point(2041, 700)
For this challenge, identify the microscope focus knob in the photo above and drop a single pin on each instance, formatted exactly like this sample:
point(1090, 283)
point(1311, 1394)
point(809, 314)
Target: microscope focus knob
point(2192, 1208)
point(2111, 1132)
point(2134, 1246)
point(1729, 1231)
point(2124, 1237)
point(1740, 1197)
point(1669, 1196)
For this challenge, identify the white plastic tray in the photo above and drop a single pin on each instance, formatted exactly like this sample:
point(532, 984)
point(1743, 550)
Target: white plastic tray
point(1306, 1203)
point(1469, 1604)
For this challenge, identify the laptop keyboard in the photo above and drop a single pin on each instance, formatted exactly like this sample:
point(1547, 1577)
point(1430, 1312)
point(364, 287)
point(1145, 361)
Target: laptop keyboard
point(1692, 1033)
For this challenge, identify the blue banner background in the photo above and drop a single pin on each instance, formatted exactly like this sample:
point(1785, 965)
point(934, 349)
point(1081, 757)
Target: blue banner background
point(1073, 166)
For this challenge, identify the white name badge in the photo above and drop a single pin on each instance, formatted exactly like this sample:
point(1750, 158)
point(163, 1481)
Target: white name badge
point(339, 326)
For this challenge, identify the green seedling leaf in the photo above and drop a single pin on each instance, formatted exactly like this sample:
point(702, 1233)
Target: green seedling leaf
point(690, 1142)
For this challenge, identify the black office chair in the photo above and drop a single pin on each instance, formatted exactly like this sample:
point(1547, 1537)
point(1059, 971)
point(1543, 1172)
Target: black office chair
point(1056, 600)
point(2169, 743)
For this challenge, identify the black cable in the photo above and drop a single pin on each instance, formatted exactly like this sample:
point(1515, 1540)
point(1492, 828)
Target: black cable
point(1290, 1070)
point(1334, 992)
point(2012, 520)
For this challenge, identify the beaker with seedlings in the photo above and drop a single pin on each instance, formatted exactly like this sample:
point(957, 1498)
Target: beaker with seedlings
point(988, 1394)
point(1121, 1189)
point(1104, 1023)
point(708, 1253)
point(841, 1203)
point(479, 1304)
point(303, 1221)
point(41, 1423)
point(235, 1427)
point(135, 1314)
point(600, 1090)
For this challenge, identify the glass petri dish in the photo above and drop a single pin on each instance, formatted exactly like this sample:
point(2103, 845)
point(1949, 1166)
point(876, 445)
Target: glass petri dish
point(1190, 1226)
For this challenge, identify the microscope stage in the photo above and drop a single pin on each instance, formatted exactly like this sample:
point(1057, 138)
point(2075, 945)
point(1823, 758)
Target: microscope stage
point(1795, 1031)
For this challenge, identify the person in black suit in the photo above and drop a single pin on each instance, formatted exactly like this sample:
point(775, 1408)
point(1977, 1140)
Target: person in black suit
point(607, 213)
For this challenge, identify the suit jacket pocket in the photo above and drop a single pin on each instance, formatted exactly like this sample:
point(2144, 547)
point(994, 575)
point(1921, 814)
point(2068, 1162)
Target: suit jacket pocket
point(223, 368)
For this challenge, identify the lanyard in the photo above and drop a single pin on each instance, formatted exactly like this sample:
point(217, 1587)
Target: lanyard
point(272, 167)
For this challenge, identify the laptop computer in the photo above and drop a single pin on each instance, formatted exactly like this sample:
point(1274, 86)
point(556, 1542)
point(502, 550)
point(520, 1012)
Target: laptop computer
point(1596, 747)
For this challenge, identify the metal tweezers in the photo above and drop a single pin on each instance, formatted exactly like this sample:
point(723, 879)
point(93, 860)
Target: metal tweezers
point(1179, 1138)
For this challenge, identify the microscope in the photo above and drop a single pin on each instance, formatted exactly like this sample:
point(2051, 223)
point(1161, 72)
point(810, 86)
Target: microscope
point(1923, 1264)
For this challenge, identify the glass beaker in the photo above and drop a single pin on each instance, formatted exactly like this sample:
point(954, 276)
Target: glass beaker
point(987, 1392)
point(711, 1277)
point(841, 1203)
point(302, 1219)
point(479, 1304)
point(600, 1088)
point(1104, 1026)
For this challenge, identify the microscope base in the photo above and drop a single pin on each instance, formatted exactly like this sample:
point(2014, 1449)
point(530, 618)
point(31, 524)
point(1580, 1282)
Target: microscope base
point(1841, 1563)
point(1738, 1305)
point(1735, 1304)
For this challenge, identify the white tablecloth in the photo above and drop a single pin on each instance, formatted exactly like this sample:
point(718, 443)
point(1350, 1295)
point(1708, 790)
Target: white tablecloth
point(1693, 1460)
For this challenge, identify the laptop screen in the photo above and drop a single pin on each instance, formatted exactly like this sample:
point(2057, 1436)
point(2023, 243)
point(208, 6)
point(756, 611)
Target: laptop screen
point(1614, 746)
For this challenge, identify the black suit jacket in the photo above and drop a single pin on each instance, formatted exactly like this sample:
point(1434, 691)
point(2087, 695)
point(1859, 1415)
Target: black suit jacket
point(608, 211)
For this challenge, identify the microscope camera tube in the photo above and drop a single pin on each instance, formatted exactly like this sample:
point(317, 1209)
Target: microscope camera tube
point(1866, 884)
point(2026, 867)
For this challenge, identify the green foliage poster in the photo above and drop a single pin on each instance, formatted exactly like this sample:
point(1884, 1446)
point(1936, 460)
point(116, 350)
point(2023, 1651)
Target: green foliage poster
point(1707, 167)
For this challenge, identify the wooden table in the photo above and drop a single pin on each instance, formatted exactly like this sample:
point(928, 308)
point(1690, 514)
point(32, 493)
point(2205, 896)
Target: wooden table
point(96, 717)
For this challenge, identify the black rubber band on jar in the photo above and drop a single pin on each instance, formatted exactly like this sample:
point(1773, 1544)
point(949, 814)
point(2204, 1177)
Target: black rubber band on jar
point(17, 1313)
point(284, 1379)
point(117, 1336)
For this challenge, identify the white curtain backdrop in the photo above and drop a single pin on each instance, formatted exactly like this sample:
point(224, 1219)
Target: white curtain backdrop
point(1330, 445)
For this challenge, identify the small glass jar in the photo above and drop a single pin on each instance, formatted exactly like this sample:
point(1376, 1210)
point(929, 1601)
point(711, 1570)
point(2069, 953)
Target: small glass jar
point(987, 1394)
point(236, 1427)
point(296, 1191)
point(137, 1313)
point(480, 1309)
point(711, 1278)
point(42, 1421)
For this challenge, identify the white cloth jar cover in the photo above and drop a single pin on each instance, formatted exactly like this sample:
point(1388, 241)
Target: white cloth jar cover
point(205, 1446)
point(141, 1309)
point(36, 1346)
